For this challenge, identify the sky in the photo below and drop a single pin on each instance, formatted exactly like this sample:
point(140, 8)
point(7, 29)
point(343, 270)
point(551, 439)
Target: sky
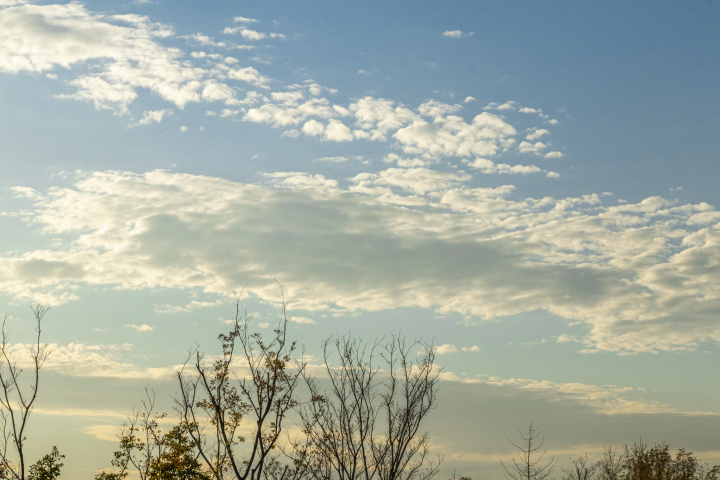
point(532, 186)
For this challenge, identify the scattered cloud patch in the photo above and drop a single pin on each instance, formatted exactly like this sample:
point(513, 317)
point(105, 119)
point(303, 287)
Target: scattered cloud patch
point(244, 20)
point(302, 320)
point(536, 133)
point(444, 349)
point(152, 116)
point(489, 167)
point(509, 105)
point(140, 328)
point(453, 33)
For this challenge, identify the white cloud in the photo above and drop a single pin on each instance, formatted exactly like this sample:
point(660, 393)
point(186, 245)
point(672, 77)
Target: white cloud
point(244, 20)
point(249, 34)
point(444, 349)
point(302, 320)
point(474, 348)
point(539, 113)
point(292, 133)
point(527, 147)
point(152, 116)
point(140, 328)
point(642, 277)
point(564, 338)
point(378, 116)
point(553, 175)
point(249, 75)
point(453, 33)
point(433, 108)
point(554, 155)
point(469, 99)
point(124, 47)
point(336, 131)
point(489, 167)
point(404, 162)
point(119, 55)
point(285, 113)
point(509, 105)
point(183, 128)
point(536, 133)
point(415, 180)
point(204, 40)
point(451, 136)
point(313, 128)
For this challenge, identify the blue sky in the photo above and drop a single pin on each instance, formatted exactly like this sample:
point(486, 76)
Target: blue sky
point(532, 185)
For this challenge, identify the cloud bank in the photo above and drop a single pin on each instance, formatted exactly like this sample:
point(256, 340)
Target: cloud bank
point(643, 277)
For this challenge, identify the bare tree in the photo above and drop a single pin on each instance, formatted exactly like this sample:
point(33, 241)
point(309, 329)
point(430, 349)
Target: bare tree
point(16, 404)
point(581, 470)
point(610, 465)
point(530, 464)
point(367, 425)
point(252, 380)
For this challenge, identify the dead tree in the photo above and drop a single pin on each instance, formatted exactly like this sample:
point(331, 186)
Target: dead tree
point(581, 469)
point(530, 464)
point(366, 425)
point(16, 405)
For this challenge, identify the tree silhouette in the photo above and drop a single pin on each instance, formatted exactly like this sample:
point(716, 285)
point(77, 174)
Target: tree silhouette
point(530, 464)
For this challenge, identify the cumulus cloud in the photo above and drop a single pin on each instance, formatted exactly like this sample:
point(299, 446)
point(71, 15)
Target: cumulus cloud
point(539, 113)
point(642, 277)
point(527, 147)
point(474, 348)
point(509, 105)
point(536, 133)
point(123, 51)
point(414, 180)
point(118, 56)
point(452, 136)
point(447, 348)
point(204, 40)
point(140, 328)
point(376, 117)
point(152, 116)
